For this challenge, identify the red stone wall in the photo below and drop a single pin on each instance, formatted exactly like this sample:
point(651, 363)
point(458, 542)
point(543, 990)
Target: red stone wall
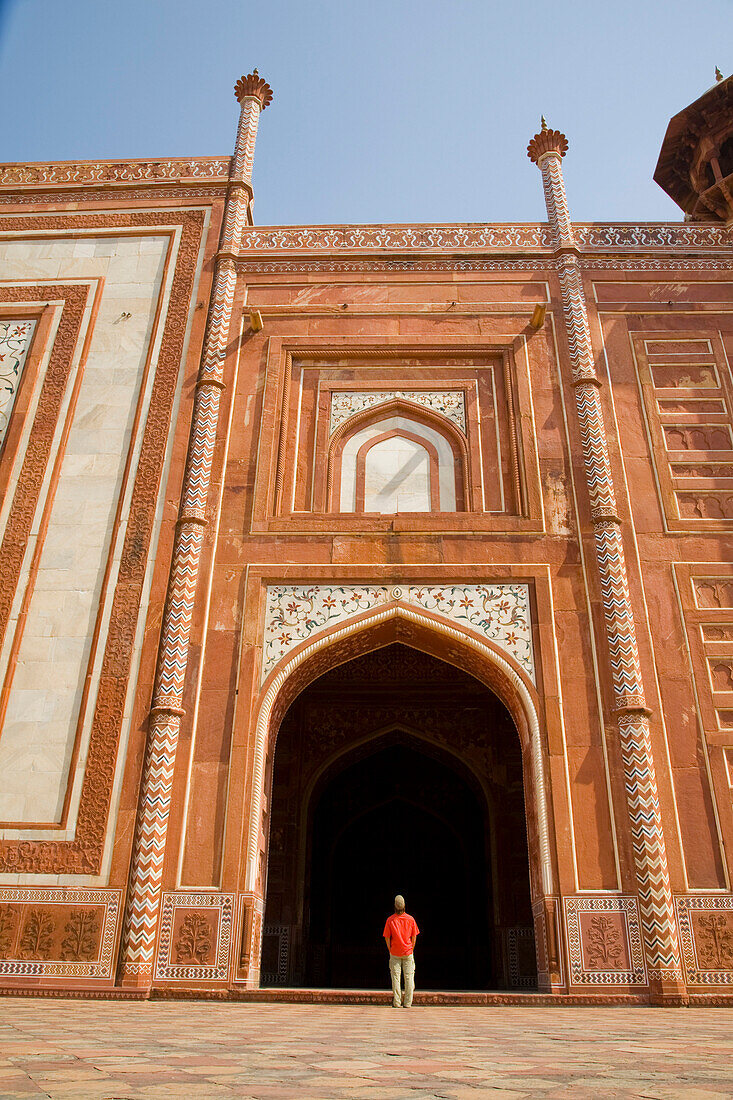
point(56, 934)
point(406, 327)
point(439, 312)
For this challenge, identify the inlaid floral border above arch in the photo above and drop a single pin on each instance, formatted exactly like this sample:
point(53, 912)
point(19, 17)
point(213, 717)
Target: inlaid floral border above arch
point(500, 613)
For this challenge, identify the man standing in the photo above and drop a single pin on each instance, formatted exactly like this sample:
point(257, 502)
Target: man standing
point(400, 933)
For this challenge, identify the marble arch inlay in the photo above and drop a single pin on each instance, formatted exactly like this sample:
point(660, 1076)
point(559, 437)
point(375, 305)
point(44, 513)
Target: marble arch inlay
point(379, 610)
point(295, 613)
point(346, 403)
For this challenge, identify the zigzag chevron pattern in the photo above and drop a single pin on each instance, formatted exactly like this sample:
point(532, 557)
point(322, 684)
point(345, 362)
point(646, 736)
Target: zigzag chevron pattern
point(244, 150)
point(219, 319)
point(173, 652)
point(655, 893)
point(235, 221)
point(576, 317)
point(143, 898)
point(201, 449)
point(556, 201)
point(595, 450)
point(627, 680)
point(650, 856)
point(149, 849)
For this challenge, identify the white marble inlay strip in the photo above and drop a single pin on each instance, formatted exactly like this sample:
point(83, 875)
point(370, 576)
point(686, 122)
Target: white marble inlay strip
point(15, 339)
point(345, 403)
point(499, 612)
point(40, 725)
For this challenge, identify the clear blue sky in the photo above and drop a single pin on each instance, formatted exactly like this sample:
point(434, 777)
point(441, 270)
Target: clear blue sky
point(384, 110)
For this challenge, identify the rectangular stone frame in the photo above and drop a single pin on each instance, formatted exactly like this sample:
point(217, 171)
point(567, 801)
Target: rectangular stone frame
point(269, 514)
point(240, 773)
point(83, 854)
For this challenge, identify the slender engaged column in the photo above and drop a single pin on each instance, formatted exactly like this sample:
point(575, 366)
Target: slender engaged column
point(143, 897)
point(546, 150)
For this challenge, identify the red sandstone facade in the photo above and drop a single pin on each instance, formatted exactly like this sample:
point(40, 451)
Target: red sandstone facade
point(435, 517)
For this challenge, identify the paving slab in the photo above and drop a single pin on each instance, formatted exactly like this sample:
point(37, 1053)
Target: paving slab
point(116, 1050)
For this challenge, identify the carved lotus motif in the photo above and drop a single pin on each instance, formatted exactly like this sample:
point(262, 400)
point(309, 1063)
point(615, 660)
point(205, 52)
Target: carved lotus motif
point(253, 85)
point(547, 141)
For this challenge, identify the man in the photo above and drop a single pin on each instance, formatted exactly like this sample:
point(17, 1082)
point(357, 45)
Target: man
point(400, 933)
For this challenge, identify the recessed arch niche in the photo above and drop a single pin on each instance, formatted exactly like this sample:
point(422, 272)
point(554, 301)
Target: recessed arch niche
point(378, 792)
point(399, 457)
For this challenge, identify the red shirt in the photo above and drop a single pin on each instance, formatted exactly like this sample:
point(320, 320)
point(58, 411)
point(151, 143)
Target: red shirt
point(400, 928)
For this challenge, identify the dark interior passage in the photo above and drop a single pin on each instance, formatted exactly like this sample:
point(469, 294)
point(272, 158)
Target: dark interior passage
point(398, 773)
point(398, 821)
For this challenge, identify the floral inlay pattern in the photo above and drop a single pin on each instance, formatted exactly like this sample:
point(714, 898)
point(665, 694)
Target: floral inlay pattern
point(344, 403)
point(499, 612)
point(15, 338)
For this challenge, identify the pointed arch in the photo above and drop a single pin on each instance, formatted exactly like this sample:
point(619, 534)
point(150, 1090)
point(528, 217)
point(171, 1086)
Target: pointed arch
point(428, 633)
point(420, 417)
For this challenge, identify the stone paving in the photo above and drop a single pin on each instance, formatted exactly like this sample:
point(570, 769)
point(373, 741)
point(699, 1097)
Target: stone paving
point(118, 1050)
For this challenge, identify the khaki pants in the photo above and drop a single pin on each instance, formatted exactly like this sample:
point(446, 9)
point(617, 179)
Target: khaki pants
point(399, 965)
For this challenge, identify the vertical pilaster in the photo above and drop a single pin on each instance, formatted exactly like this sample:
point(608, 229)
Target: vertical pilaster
point(144, 888)
point(547, 149)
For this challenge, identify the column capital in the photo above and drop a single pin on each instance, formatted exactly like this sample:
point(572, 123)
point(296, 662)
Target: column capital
point(253, 85)
point(547, 141)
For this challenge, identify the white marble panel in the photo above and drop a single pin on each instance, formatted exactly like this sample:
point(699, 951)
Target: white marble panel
point(37, 738)
point(446, 461)
point(397, 476)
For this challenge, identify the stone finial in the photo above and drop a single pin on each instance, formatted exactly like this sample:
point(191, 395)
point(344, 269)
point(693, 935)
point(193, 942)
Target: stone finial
point(547, 141)
point(253, 85)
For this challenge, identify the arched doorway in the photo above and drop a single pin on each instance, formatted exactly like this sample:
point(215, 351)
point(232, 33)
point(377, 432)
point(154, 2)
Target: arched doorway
point(397, 772)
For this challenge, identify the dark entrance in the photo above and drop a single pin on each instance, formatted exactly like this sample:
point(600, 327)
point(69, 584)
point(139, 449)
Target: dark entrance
point(399, 821)
point(397, 773)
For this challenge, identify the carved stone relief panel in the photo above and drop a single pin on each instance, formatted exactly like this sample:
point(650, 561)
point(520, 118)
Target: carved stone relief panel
point(195, 937)
point(604, 941)
point(57, 933)
point(706, 936)
point(686, 386)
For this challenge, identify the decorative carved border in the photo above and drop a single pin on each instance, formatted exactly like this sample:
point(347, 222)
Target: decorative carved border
point(628, 907)
point(101, 967)
point(168, 971)
point(525, 236)
point(345, 403)
point(512, 938)
point(83, 855)
point(544, 262)
point(59, 173)
point(720, 941)
point(652, 235)
point(394, 238)
point(279, 976)
point(499, 612)
point(27, 488)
